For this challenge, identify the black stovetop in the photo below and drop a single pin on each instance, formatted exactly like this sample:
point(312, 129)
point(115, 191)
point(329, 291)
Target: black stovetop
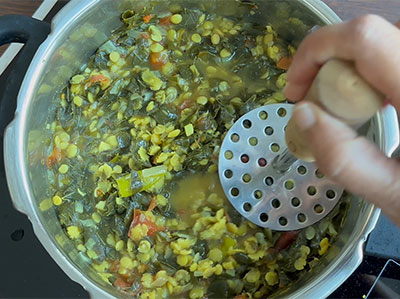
point(29, 272)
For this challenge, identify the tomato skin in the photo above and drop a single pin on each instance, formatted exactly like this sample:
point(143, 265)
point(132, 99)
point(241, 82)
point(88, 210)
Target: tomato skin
point(285, 240)
point(122, 284)
point(145, 35)
point(139, 218)
point(147, 18)
point(152, 205)
point(98, 78)
point(284, 63)
point(165, 21)
point(53, 158)
point(158, 60)
point(185, 104)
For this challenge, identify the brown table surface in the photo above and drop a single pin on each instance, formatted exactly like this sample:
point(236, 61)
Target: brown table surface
point(346, 9)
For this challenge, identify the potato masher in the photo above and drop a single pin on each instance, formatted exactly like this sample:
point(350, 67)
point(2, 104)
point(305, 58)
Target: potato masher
point(265, 167)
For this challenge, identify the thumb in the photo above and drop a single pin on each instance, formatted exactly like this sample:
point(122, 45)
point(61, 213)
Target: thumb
point(350, 160)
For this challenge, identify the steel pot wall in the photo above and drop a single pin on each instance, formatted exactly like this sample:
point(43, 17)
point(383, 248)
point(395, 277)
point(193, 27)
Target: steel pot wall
point(78, 29)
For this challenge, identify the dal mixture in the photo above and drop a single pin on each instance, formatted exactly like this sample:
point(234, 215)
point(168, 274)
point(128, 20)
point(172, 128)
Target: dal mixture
point(133, 158)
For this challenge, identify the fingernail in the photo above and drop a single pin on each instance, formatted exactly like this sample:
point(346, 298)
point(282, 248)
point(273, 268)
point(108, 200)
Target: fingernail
point(291, 91)
point(304, 116)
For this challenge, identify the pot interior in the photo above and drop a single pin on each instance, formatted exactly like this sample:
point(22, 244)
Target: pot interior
point(77, 33)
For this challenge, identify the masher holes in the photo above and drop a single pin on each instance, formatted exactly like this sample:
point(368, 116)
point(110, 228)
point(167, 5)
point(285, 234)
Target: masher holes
point(282, 112)
point(318, 209)
point(311, 190)
point(228, 173)
point(258, 194)
point(235, 137)
point(330, 194)
point(302, 170)
point(269, 131)
point(247, 207)
point(289, 185)
point(263, 115)
point(253, 141)
point(244, 158)
point(269, 181)
point(246, 178)
point(228, 155)
point(234, 192)
point(283, 221)
point(247, 124)
point(295, 202)
point(275, 203)
point(301, 217)
point(262, 162)
point(263, 217)
point(319, 174)
point(275, 147)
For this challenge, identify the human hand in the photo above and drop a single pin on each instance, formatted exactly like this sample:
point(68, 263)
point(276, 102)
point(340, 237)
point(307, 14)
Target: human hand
point(350, 160)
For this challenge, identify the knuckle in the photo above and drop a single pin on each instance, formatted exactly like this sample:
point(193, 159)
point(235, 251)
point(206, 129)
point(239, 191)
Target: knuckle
point(363, 29)
point(330, 140)
point(333, 162)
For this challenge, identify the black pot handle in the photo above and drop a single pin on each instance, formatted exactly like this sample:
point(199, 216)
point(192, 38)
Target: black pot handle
point(20, 29)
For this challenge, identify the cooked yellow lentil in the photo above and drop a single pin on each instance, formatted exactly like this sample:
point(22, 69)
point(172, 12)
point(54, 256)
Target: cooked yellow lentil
point(196, 38)
point(63, 168)
point(133, 159)
point(156, 48)
point(225, 53)
point(215, 39)
point(57, 200)
point(176, 19)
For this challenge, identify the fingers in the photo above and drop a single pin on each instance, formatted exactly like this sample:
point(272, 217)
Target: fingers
point(370, 41)
point(351, 161)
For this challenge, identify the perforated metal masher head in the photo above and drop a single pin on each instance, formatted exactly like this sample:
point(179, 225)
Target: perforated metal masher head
point(267, 197)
